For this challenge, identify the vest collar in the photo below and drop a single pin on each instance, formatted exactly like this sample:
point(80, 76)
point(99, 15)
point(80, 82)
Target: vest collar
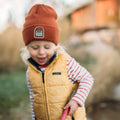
point(37, 65)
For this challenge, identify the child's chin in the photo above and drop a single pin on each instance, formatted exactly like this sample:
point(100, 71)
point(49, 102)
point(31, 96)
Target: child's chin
point(41, 63)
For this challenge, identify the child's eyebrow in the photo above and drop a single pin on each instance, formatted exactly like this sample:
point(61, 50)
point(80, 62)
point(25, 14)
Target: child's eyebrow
point(34, 45)
point(47, 44)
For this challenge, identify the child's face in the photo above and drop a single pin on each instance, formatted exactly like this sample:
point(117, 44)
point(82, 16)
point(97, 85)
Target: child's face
point(41, 51)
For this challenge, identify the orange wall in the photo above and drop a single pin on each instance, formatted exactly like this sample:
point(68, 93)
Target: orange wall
point(81, 19)
point(99, 14)
point(77, 19)
point(106, 11)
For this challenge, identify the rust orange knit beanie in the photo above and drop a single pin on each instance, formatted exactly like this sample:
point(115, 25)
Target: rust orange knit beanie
point(40, 24)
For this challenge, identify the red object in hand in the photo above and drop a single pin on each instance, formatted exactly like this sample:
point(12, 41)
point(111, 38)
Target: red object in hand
point(65, 113)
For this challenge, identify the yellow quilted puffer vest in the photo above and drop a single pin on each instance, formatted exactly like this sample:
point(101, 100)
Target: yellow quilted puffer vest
point(52, 89)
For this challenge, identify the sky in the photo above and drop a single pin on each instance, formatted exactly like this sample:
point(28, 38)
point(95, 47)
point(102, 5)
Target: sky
point(15, 9)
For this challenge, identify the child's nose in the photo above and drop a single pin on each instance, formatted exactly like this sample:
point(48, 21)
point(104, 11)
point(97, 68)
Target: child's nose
point(41, 51)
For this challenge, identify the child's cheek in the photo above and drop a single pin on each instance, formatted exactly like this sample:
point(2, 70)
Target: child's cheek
point(33, 53)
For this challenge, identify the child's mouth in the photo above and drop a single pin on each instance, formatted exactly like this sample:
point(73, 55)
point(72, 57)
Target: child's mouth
point(41, 60)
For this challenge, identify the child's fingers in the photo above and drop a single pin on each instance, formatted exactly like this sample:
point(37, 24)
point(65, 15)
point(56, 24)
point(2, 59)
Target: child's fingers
point(73, 107)
point(67, 106)
point(72, 110)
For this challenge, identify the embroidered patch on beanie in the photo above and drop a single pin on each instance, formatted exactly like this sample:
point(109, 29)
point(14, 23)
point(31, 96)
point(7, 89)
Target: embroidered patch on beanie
point(38, 32)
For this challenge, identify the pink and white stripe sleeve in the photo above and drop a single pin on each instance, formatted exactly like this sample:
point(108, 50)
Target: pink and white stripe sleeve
point(77, 73)
point(31, 94)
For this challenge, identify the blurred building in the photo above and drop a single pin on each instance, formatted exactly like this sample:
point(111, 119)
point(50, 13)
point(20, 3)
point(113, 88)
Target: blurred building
point(95, 14)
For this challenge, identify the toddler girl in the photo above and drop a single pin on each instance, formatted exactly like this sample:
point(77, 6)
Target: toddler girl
point(52, 75)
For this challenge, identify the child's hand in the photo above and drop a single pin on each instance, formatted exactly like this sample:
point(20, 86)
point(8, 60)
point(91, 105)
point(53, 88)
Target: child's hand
point(72, 105)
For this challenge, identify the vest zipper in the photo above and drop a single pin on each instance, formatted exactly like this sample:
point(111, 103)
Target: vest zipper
point(43, 77)
point(45, 96)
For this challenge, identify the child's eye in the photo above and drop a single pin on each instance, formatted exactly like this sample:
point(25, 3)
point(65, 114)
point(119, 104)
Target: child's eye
point(34, 47)
point(47, 47)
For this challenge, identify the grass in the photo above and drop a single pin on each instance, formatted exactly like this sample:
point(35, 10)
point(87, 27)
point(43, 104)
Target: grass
point(13, 89)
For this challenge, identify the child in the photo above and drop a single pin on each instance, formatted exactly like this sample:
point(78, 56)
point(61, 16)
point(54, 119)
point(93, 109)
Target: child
point(52, 75)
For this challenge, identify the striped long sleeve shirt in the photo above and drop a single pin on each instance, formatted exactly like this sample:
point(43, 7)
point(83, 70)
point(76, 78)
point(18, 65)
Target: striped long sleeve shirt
point(76, 73)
